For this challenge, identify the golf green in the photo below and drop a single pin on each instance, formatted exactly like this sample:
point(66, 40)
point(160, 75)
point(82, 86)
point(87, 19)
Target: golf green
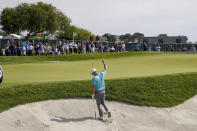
point(133, 66)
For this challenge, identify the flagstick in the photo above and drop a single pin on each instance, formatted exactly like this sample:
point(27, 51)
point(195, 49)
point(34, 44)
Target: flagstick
point(73, 37)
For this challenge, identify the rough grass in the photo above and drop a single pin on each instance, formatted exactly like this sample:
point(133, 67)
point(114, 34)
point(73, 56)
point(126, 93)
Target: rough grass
point(158, 91)
point(39, 59)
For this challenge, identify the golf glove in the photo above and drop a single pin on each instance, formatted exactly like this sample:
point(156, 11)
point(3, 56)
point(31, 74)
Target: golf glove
point(93, 96)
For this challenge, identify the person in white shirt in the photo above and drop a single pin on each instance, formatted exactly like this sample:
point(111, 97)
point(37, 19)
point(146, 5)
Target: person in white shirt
point(30, 49)
point(158, 48)
point(123, 47)
point(67, 48)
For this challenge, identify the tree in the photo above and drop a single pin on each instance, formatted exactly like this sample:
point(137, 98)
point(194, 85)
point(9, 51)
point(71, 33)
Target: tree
point(126, 38)
point(138, 34)
point(82, 34)
point(33, 18)
point(110, 37)
point(10, 21)
point(162, 35)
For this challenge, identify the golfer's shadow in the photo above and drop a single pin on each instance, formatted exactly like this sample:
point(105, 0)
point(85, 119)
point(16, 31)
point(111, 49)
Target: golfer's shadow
point(61, 119)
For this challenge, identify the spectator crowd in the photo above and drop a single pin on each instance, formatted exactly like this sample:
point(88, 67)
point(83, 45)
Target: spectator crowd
point(60, 48)
point(167, 48)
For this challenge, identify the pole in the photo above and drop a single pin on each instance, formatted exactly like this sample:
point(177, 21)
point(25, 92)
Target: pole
point(73, 38)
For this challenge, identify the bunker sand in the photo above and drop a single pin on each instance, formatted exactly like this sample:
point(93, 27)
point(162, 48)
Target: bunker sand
point(78, 115)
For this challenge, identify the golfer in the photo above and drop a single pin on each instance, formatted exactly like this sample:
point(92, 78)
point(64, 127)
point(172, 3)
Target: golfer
point(98, 89)
point(1, 74)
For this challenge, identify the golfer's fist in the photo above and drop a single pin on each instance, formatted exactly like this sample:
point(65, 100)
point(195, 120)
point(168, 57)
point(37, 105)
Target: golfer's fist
point(103, 61)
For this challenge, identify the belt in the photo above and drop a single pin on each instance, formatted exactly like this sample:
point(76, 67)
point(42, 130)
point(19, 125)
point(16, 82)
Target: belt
point(100, 91)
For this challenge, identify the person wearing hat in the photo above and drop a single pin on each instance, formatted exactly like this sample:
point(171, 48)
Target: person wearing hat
point(1, 74)
point(98, 89)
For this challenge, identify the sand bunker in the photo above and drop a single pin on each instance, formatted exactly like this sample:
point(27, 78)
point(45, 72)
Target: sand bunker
point(78, 115)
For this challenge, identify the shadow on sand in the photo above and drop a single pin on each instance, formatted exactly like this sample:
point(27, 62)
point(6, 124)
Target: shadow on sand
point(61, 119)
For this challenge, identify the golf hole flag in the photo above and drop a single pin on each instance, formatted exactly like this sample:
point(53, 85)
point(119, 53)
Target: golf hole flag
point(74, 34)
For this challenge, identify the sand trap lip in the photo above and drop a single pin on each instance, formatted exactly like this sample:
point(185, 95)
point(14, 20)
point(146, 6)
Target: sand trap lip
point(78, 115)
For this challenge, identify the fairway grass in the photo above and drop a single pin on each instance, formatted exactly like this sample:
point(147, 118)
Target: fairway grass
point(123, 67)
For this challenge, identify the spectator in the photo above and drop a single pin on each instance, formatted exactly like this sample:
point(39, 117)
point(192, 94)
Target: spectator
point(179, 48)
point(48, 49)
point(149, 48)
point(30, 49)
point(88, 47)
point(120, 47)
point(67, 48)
point(75, 48)
point(92, 47)
point(7, 50)
point(144, 47)
point(112, 49)
point(123, 47)
point(193, 48)
point(1, 52)
point(158, 48)
point(185, 49)
point(61, 47)
point(71, 48)
point(79, 48)
point(15, 49)
point(137, 47)
point(116, 47)
point(100, 48)
point(83, 48)
point(23, 50)
point(54, 50)
point(41, 49)
point(18, 50)
point(171, 48)
point(11, 47)
point(37, 53)
point(106, 47)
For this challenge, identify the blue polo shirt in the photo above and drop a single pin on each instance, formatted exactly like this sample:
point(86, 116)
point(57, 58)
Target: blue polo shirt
point(98, 81)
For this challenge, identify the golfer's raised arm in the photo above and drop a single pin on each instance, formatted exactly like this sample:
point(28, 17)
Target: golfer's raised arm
point(105, 66)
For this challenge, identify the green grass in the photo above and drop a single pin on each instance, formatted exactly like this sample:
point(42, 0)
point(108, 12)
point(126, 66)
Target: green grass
point(123, 67)
point(4, 60)
point(158, 91)
point(140, 78)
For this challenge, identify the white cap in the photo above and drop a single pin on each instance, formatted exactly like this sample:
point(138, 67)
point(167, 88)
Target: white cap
point(93, 70)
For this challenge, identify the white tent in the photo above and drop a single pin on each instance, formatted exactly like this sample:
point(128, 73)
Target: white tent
point(13, 36)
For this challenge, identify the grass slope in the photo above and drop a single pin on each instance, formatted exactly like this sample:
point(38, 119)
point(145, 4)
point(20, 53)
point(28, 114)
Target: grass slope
point(159, 91)
point(4, 60)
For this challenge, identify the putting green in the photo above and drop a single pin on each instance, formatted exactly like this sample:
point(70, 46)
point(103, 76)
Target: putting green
point(134, 66)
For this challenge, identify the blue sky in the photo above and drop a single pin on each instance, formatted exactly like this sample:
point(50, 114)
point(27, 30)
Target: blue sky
point(151, 17)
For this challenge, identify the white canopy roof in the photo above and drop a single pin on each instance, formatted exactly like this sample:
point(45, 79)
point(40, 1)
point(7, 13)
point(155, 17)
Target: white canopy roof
point(13, 36)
